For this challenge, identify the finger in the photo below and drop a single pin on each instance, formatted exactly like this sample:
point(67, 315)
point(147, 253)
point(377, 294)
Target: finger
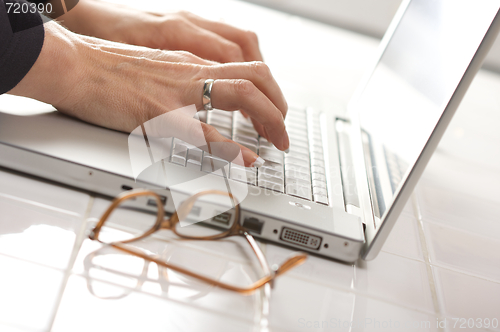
point(256, 72)
point(205, 43)
point(180, 124)
point(260, 129)
point(247, 40)
point(243, 95)
point(223, 147)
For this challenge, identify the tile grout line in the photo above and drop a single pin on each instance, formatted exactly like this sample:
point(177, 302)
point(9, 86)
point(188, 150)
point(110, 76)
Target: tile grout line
point(368, 295)
point(74, 254)
point(38, 205)
point(425, 253)
point(465, 273)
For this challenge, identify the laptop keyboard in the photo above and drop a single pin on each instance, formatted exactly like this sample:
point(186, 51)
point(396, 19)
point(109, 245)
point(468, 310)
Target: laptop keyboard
point(300, 173)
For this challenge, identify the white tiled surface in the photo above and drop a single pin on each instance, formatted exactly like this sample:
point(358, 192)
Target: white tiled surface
point(440, 262)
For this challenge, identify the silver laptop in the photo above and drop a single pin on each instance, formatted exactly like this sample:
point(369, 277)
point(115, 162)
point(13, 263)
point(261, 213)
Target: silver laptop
point(342, 186)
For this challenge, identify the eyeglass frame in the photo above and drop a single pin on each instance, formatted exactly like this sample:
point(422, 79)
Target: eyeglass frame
point(170, 223)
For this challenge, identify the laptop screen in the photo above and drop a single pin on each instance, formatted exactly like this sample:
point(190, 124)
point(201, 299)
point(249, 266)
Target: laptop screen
point(412, 84)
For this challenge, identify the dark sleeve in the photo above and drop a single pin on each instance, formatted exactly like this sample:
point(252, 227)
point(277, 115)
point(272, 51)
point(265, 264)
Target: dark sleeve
point(21, 40)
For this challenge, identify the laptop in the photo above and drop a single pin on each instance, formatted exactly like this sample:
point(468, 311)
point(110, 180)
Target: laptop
point(342, 186)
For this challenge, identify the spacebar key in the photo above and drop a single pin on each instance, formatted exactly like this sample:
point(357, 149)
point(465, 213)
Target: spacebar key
point(299, 191)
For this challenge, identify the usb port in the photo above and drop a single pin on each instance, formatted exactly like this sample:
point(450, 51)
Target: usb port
point(152, 202)
point(223, 218)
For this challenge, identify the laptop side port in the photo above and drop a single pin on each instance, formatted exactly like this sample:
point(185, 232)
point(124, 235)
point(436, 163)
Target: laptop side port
point(223, 218)
point(254, 225)
point(152, 202)
point(300, 238)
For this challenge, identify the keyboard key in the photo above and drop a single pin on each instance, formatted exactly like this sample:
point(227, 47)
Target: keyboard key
point(179, 152)
point(299, 144)
point(249, 146)
point(194, 159)
point(219, 113)
point(320, 191)
point(317, 149)
point(296, 160)
point(299, 126)
point(271, 154)
point(316, 162)
point(244, 174)
point(317, 156)
point(270, 178)
point(271, 185)
point(319, 184)
point(219, 120)
point(223, 130)
point(202, 116)
point(297, 175)
point(318, 169)
point(295, 154)
point(293, 181)
point(321, 199)
point(297, 133)
point(191, 164)
point(246, 139)
point(269, 165)
point(318, 177)
point(248, 132)
point(299, 191)
point(298, 149)
point(298, 165)
point(215, 165)
point(263, 142)
point(273, 170)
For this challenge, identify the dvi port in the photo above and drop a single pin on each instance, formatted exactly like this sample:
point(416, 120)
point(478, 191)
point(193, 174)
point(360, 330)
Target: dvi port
point(300, 238)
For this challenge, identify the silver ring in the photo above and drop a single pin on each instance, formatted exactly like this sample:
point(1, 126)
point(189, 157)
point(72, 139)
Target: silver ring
point(207, 99)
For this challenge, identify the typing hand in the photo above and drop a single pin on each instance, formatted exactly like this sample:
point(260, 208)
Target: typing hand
point(210, 40)
point(120, 86)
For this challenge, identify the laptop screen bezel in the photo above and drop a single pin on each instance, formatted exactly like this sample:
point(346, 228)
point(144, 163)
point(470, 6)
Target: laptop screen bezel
point(377, 232)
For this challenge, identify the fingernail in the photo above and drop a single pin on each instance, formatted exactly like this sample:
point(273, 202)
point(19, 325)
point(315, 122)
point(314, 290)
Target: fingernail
point(258, 162)
point(287, 150)
point(286, 141)
point(251, 158)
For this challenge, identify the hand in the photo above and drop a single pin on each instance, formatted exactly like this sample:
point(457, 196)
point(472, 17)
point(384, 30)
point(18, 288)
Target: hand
point(121, 86)
point(210, 40)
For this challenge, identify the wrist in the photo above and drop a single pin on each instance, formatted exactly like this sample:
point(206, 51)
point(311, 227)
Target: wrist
point(55, 72)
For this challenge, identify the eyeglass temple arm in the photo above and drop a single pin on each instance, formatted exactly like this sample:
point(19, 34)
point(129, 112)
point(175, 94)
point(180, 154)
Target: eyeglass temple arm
point(240, 290)
point(290, 263)
point(258, 252)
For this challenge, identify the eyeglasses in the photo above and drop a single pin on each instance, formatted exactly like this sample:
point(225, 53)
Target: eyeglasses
point(208, 215)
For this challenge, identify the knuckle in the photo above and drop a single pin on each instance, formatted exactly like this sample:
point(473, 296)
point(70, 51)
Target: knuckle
point(251, 37)
point(178, 22)
point(185, 55)
point(244, 88)
point(260, 69)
